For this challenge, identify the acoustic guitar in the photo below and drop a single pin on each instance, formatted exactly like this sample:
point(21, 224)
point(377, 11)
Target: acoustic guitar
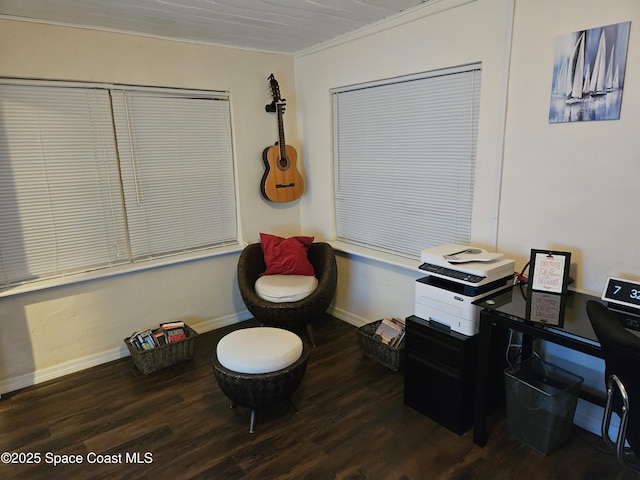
point(281, 181)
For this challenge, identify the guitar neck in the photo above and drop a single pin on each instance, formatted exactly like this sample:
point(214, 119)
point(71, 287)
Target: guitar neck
point(281, 142)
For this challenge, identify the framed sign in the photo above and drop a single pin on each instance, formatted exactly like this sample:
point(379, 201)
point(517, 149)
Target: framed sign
point(549, 271)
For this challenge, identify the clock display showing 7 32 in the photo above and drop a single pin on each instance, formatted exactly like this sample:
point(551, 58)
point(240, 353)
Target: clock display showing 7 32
point(625, 292)
point(620, 291)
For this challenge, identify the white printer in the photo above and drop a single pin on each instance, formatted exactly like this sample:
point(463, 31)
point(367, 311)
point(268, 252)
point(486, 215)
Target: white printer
point(458, 276)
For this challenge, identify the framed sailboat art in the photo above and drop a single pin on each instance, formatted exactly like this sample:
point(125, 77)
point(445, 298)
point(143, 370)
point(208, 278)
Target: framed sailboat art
point(588, 74)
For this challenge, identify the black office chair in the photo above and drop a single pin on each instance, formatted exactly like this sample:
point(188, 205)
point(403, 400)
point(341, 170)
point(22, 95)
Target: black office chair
point(621, 350)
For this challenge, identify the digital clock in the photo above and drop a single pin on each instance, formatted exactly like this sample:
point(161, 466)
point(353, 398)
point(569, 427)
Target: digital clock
point(622, 291)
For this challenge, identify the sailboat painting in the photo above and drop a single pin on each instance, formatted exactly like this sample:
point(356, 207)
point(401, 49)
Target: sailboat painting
point(588, 74)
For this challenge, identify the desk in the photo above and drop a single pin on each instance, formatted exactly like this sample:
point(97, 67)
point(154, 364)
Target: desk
point(515, 308)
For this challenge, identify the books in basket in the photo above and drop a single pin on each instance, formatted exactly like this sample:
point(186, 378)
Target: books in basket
point(390, 331)
point(166, 333)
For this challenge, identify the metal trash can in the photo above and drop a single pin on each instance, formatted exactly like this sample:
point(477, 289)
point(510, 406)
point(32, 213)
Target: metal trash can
point(541, 403)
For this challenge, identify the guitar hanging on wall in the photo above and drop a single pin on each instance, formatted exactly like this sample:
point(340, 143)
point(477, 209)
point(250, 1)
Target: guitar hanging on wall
point(281, 181)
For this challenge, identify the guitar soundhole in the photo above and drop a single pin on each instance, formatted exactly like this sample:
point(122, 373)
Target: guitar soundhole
point(283, 163)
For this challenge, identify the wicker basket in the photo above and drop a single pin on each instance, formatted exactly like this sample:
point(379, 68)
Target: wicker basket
point(149, 361)
point(390, 357)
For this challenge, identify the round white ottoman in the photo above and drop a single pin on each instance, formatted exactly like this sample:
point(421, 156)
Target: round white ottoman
point(259, 367)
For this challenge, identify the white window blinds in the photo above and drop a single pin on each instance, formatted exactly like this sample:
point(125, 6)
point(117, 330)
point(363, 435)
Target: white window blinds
point(92, 177)
point(177, 175)
point(404, 161)
point(59, 183)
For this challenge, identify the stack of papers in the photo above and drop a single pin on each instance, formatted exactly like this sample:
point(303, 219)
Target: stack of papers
point(472, 255)
point(390, 331)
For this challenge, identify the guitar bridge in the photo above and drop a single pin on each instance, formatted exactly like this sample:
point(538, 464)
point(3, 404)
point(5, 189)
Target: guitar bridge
point(285, 185)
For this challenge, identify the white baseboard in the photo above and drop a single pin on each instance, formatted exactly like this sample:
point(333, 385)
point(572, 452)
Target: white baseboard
point(589, 417)
point(215, 323)
point(60, 370)
point(348, 317)
point(76, 365)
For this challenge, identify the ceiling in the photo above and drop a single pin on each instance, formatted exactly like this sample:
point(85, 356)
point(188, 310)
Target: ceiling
point(284, 26)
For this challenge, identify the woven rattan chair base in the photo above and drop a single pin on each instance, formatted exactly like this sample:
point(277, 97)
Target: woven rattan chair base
point(260, 390)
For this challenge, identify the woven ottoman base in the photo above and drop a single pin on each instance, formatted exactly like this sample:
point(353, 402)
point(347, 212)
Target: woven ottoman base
point(260, 390)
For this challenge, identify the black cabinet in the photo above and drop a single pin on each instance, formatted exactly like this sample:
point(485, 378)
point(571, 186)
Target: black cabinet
point(440, 373)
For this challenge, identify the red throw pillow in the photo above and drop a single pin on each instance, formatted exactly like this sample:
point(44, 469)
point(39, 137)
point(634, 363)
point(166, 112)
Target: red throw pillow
point(286, 256)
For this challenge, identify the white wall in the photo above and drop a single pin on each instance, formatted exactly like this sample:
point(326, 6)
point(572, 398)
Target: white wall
point(59, 330)
point(439, 35)
point(571, 186)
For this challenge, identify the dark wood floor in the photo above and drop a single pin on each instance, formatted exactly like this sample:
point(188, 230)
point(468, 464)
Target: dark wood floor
point(351, 424)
